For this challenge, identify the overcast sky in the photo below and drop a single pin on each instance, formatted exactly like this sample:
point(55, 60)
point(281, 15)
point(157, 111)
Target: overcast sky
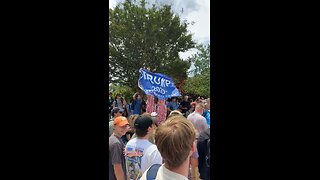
point(197, 11)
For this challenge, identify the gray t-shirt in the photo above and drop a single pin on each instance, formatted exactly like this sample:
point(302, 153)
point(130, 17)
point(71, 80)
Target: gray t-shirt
point(116, 155)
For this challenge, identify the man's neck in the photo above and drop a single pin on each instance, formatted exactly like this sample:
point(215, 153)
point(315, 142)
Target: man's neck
point(199, 112)
point(144, 137)
point(182, 169)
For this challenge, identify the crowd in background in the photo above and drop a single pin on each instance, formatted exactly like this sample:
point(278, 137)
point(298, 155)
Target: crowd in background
point(144, 143)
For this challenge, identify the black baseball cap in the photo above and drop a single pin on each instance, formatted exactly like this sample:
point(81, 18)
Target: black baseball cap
point(143, 122)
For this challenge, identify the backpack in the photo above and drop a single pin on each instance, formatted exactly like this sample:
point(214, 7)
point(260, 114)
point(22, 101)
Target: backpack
point(152, 172)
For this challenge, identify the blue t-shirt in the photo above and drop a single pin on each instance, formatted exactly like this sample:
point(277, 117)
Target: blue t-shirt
point(206, 114)
point(136, 106)
point(173, 105)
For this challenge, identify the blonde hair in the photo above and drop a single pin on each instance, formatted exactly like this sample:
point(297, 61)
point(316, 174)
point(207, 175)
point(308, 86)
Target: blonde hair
point(200, 106)
point(174, 139)
point(174, 113)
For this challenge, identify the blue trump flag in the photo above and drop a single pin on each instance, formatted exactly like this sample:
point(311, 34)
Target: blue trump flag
point(157, 84)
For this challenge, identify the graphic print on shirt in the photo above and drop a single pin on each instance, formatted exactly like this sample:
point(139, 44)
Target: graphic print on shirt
point(133, 162)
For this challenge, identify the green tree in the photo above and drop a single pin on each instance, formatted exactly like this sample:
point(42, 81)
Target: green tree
point(201, 59)
point(150, 38)
point(199, 84)
point(126, 91)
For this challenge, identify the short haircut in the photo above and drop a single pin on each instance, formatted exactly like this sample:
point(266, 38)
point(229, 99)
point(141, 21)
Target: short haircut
point(179, 134)
point(174, 113)
point(200, 106)
point(142, 123)
point(141, 133)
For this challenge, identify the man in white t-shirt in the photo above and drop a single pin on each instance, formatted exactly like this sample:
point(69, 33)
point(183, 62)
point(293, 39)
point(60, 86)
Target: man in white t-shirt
point(140, 153)
point(175, 139)
point(199, 122)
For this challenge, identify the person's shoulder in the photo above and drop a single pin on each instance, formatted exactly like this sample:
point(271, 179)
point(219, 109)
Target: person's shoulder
point(113, 141)
point(199, 116)
point(131, 141)
point(153, 147)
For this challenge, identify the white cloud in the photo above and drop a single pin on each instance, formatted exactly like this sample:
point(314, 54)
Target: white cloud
point(201, 17)
point(112, 3)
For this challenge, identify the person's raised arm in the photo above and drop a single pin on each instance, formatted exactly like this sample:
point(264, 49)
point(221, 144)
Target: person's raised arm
point(134, 96)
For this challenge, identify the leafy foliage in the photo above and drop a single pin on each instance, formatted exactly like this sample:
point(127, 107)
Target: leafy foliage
point(201, 59)
point(199, 85)
point(149, 38)
point(125, 91)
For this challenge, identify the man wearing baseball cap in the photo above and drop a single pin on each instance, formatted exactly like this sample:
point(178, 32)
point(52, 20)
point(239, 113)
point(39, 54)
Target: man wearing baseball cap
point(115, 112)
point(140, 154)
point(154, 116)
point(117, 168)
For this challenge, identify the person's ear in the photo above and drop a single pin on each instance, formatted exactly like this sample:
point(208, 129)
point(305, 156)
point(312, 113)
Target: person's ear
point(149, 129)
point(193, 147)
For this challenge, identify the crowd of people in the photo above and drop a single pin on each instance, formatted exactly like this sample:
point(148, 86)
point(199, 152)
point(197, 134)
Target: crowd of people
point(141, 146)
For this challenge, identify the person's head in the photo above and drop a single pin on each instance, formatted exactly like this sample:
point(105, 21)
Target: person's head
point(116, 112)
point(118, 96)
point(174, 113)
point(132, 118)
point(120, 126)
point(143, 125)
point(154, 117)
point(200, 108)
point(138, 96)
point(174, 99)
point(186, 98)
point(175, 140)
point(110, 94)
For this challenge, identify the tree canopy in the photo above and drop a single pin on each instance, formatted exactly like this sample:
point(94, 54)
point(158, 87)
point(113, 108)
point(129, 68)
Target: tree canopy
point(199, 84)
point(150, 38)
point(201, 59)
